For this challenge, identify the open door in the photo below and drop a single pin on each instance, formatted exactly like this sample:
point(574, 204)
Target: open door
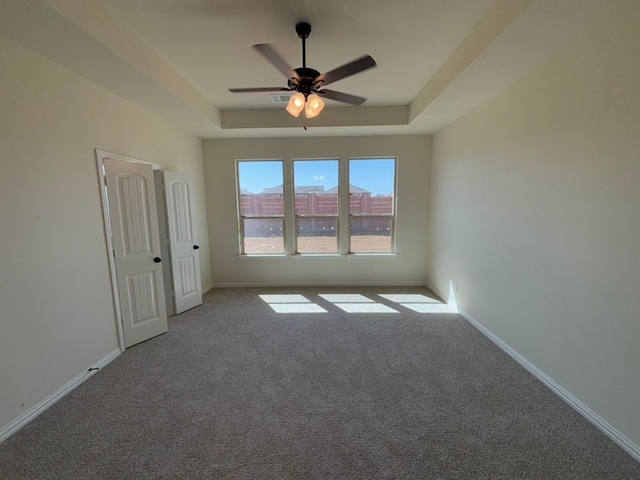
point(183, 241)
point(136, 249)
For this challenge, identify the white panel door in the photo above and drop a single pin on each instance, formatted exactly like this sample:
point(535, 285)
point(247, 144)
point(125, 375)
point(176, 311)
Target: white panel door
point(136, 243)
point(183, 241)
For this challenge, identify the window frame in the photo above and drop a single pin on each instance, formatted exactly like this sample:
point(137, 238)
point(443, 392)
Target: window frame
point(241, 217)
point(392, 215)
point(297, 216)
point(289, 218)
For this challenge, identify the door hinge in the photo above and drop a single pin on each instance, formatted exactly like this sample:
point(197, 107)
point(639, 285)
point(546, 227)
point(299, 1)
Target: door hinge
point(105, 179)
point(114, 253)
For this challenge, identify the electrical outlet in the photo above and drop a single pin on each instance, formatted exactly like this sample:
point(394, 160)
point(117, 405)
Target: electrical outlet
point(375, 269)
point(455, 287)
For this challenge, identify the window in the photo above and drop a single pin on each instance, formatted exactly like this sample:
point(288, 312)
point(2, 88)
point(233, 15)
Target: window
point(302, 206)
point(316, 207)
point(371, 205)
point(261, 207)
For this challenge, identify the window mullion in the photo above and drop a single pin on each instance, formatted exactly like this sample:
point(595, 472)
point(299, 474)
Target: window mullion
point(289, 210)
point(343, 213)
point(241, 236)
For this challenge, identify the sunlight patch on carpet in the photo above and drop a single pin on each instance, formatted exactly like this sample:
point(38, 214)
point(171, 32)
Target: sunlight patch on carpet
point(284, 298)
point(365, 308)
point(345, 298)
point(297, 308)
point(408, 298)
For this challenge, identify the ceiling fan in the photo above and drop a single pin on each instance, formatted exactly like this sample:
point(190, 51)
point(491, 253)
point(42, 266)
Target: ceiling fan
point(308, 82)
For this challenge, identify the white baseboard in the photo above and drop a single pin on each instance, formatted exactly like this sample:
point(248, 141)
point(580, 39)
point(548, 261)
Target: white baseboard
point(605, 427)
point(41, 406)
point(312, 284)
point(207, 288)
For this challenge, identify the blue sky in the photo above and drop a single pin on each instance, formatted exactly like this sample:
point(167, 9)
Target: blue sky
point(317, 172)
point(256, 176)
point(376, 175)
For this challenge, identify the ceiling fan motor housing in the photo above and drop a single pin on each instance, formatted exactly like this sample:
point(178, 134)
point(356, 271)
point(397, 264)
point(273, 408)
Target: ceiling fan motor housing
point(307, 80)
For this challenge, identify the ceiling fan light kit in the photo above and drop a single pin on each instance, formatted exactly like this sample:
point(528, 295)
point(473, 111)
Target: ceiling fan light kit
point(308, 82)
point(296, 104)
point(314, 106)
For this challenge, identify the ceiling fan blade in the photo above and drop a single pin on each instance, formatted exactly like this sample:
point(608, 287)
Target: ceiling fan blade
point(346, 70)
point(260, 89)
point(270, 53)
point(341, 97)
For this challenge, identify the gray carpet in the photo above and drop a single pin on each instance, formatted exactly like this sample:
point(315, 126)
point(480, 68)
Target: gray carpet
point(235, 390)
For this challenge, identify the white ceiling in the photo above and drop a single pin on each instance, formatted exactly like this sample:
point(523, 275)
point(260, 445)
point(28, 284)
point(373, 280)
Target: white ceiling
point(436, 59)
point(209, 41)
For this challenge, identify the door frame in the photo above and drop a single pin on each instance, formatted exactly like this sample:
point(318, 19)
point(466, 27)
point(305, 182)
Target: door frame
point(101, 155)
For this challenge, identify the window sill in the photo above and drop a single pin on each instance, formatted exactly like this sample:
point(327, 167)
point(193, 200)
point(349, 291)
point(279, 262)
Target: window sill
point(263, 255)
point(317, 255)
point(371, 254)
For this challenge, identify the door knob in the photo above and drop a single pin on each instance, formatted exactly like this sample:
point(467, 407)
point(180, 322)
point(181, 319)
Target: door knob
point(157, 259)
point(196, 247)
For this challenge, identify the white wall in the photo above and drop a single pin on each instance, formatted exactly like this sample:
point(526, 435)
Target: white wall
point(406, 268)
point(56, 307)
point(535, 212)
